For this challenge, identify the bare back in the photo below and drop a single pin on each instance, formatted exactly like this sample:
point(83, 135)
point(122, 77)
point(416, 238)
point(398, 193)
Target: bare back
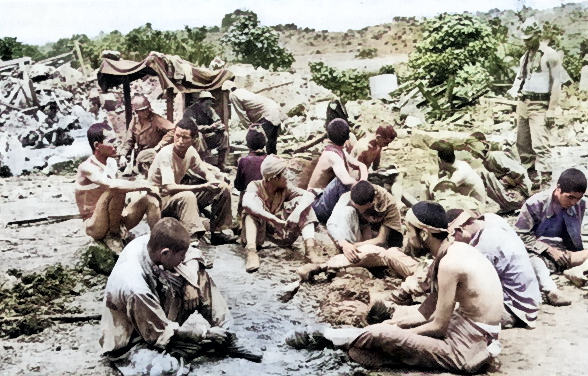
point(323, 172)
point(476, 284)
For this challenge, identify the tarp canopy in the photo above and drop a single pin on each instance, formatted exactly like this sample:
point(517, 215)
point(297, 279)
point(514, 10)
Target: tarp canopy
point(173, 72)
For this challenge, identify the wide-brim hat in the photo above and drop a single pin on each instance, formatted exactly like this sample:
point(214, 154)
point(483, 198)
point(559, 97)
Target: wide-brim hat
point(529, 28)
point(228, 85)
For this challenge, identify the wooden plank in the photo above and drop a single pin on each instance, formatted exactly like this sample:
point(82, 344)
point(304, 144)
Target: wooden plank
point(54, 58)
point(62, 317)
point(274, 87)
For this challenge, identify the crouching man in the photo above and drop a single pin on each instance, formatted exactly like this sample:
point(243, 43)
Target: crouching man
point(366, 215)
point(438, 335)
point(100, 195)
point(276, 209)
point(161, 305)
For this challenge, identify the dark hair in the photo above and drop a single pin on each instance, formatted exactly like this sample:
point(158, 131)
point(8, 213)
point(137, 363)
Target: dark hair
point(444, 151)
point(338, 131)
point(188, 124)
point(96, 133)
point(431, 213)
point(572, 180)
point(255, 139)
point(452, 214)
point(386, 132)
point(363, 193)
point(168, 233)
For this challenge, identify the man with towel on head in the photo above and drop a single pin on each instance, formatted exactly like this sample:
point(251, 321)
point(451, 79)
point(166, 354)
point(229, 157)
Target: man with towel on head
point(275, 209)
point(437, 335)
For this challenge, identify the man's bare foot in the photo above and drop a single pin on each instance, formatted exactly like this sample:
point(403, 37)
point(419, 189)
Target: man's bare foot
point(557, 299)
point(576, 276)
point(307, 271)
point(114, 243)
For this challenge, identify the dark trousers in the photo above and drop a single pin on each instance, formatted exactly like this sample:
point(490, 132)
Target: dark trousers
point(325, 203)
point(271, 133)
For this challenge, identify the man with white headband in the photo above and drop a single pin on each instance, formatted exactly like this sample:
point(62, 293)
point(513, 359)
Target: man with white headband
point(438, 335)
point(275, 209)
point(501, 245)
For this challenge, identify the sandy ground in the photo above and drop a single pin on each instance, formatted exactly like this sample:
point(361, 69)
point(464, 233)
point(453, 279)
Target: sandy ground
point(553, 348)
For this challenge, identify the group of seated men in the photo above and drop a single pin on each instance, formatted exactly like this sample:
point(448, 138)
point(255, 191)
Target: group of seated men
point(478, 261)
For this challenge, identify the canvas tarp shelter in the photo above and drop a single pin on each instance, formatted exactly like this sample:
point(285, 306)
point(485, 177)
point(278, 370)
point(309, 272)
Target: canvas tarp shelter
point(175, 76)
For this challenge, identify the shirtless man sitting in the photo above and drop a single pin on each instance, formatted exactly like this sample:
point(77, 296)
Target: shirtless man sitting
point(332, 172)
point(368, 150)
point(100, 195)
point(438, 335)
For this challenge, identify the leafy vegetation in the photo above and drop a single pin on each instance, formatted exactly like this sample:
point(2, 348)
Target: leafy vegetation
point(450, 42)
point(256, 45)
point(51, 291)
point(367, 53)
point(348, 84)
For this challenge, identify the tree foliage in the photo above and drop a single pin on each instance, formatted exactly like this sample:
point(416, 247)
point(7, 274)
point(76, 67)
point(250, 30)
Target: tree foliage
point(450, 42)
point(348, 84)
point(10, 49)
point(257, 45)
point(230, 18)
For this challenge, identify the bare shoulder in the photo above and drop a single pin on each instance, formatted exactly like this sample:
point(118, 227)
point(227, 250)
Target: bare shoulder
point(458, 257)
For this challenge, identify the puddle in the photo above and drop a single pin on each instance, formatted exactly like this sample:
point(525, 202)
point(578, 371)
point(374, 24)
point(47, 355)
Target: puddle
point(262, 321)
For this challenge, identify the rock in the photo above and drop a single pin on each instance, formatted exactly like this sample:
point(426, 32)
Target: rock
point(412, 121)
point(584, 79)
point(421, 140)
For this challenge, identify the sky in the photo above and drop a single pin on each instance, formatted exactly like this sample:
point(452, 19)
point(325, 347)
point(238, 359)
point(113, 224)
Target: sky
point(42, 21)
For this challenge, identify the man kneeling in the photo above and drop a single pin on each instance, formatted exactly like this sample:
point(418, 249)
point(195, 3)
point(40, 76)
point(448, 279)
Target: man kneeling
point(461, 340)
point(159, 298)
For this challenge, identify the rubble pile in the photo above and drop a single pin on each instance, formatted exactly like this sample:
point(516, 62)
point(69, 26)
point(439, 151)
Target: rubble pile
point(41, 109)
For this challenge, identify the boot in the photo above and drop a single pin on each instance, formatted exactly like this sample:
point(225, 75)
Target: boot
point(557, 299)
point(252, 263)
point(312, 251)
point(220, 162)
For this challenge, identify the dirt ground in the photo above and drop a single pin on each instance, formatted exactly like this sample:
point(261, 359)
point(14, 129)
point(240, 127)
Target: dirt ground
point(553, 348)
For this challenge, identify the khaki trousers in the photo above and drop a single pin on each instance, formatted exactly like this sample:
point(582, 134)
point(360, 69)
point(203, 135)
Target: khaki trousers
point(533, 135)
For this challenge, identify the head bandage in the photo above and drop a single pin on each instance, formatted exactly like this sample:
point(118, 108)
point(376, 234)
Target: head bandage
point(414, 221)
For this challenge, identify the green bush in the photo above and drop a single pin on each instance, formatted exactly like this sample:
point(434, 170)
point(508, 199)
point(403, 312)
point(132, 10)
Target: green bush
point(387, 69)
point(367, 53)
point(257, 45)
point(450, 42)
point(349, 84)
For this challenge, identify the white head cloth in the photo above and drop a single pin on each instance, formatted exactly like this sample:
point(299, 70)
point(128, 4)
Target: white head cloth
point(272, 166)
point(414, 221)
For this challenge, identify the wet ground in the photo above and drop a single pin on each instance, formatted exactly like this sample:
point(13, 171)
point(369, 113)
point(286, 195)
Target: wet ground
point(262, 321)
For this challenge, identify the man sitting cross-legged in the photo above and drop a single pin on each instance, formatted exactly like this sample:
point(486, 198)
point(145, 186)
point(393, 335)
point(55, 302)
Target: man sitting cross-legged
point(100, 196)
point(366, 215)
point(438, 335)
point(161, 305)
point(332, 171)
point(276, 209)
point(183, 201)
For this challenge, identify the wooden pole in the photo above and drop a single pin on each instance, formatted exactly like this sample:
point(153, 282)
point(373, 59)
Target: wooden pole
point(170, 104)
point(127, 98)
point(80, 57)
